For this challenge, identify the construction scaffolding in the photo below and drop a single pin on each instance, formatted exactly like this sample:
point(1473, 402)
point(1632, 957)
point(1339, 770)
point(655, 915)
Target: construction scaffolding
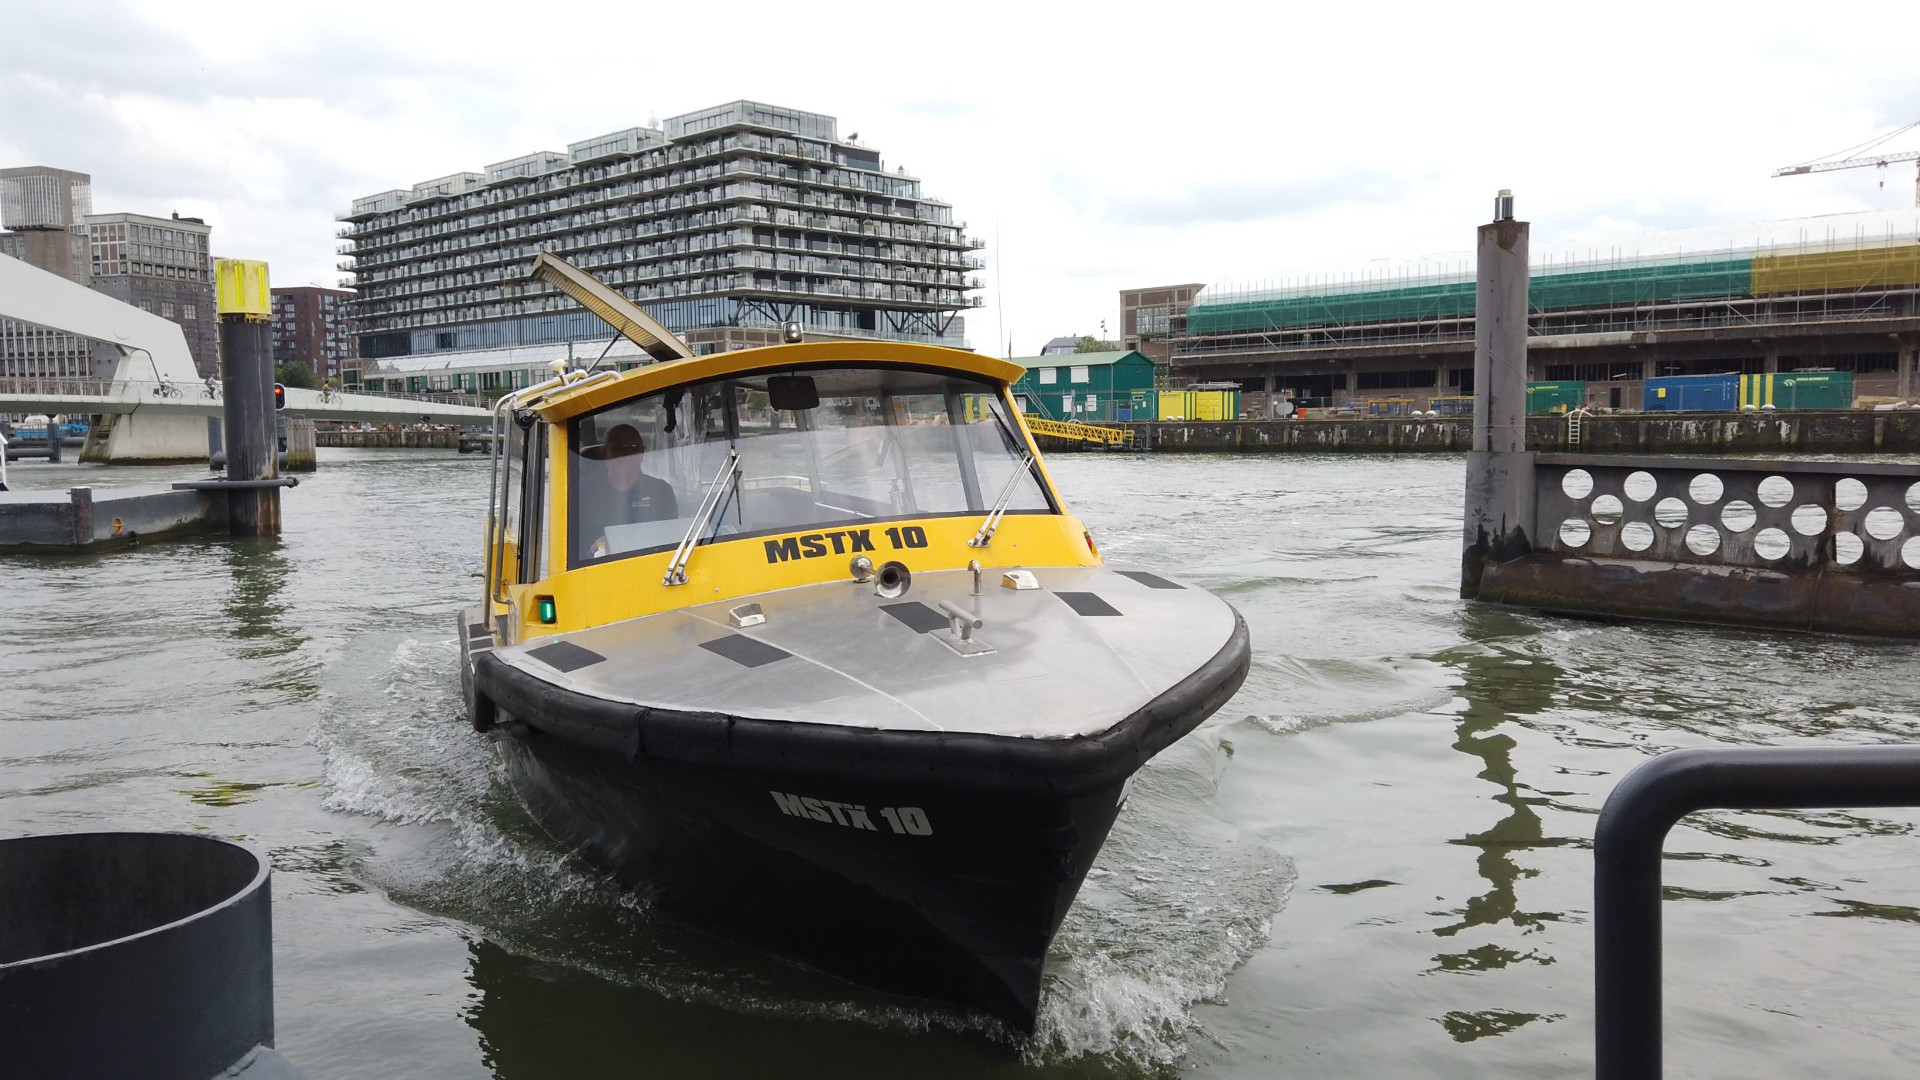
point(1850, 263)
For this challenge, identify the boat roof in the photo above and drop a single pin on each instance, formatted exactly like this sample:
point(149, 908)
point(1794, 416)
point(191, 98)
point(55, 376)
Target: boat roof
point(565, 404)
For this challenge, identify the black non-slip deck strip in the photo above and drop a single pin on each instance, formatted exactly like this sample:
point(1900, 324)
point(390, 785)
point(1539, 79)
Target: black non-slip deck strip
point(919, 617)
point(745, 651)
point(1151, 581)
point(565, 656)
point(1087, 603)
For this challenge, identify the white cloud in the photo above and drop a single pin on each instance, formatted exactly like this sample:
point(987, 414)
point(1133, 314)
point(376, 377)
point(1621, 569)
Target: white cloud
point(1093, 149)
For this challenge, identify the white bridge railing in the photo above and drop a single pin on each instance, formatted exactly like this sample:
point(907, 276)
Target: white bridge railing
point(77, 389)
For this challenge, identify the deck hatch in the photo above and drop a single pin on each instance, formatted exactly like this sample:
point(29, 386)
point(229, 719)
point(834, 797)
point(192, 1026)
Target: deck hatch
point(1151, 581)
point(919, 617)
point(745, 651)
point(1086, 603)
point(565, 656)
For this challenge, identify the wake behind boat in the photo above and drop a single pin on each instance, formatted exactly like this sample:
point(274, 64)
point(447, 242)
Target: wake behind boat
point(802, 642)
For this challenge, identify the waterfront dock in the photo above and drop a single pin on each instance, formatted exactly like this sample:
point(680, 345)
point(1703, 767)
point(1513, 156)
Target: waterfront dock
point(1856, 431)
point(81, 519)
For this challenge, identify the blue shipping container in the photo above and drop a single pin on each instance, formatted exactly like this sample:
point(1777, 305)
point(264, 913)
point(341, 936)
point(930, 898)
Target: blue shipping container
point(1693, 393)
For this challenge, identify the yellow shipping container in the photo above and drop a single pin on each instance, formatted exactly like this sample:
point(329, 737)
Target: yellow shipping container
point(1215, 404)
point(1198, 405)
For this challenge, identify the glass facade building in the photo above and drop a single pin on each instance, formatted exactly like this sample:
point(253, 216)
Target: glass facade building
point(723, 223)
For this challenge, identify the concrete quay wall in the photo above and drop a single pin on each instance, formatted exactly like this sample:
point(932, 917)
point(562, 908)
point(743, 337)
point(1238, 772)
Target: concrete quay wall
point(1645, 433)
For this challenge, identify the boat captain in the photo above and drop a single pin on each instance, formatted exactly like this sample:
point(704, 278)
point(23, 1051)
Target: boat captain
point(629, 494)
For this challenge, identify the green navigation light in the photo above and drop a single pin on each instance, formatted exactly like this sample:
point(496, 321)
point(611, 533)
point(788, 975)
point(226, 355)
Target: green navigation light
point(549, 614)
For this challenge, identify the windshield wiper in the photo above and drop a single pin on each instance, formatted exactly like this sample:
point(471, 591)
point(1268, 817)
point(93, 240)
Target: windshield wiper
point(677, 566)
point(985, 536)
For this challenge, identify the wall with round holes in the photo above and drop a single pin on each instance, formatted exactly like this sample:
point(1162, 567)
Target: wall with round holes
point(1864, 518)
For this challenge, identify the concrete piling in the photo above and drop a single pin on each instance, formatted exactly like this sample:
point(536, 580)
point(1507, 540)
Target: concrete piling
point(1499, 485)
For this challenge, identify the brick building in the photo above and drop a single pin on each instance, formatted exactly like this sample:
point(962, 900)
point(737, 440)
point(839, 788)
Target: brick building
point(1150, 318)
point(310, 328)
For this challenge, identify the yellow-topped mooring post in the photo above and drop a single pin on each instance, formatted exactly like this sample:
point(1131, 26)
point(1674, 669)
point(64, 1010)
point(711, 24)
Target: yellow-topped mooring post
point(245, 302)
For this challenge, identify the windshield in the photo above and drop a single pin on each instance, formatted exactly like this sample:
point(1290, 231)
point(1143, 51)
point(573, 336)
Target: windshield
point(818, 446)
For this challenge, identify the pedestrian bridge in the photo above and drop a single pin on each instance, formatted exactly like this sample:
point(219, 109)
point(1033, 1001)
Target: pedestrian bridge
point(153, 398)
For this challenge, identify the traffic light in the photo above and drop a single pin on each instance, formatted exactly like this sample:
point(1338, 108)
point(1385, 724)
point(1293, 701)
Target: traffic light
point(279, 396)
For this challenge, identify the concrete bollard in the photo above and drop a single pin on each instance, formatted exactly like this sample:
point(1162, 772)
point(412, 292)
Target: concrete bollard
point(300, 455)
point(81, 500)
point(1499, 487)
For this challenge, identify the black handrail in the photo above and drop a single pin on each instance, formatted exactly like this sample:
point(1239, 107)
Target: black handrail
point(1627, 849)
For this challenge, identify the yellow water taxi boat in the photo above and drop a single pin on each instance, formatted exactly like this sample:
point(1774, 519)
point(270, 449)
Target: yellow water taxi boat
point(802, 641)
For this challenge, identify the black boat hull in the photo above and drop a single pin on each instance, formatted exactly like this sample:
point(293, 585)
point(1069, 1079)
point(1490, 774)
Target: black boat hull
point(917, 890)
point(930, 864)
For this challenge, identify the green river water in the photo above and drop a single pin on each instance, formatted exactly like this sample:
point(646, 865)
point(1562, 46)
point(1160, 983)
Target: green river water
point(1374, 862)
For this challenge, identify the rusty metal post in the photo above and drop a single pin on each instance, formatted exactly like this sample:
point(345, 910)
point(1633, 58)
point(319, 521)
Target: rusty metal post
point(1499, 488)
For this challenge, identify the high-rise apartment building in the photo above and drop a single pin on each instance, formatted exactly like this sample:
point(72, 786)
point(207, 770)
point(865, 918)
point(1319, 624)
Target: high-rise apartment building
point(310, 328)
point(722, 223)
point(43, 211)
point(160, 265)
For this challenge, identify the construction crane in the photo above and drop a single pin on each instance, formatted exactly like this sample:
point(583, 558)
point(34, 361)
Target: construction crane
point(1856, 157)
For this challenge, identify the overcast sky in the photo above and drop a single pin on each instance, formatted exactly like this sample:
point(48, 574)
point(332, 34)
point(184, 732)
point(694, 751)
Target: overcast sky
point(1119, 147)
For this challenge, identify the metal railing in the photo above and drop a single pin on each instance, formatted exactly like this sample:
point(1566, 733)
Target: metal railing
point(155, 390)
point(1090, 433)
point(54, 387)
point(66, 388)
point(1627, 847)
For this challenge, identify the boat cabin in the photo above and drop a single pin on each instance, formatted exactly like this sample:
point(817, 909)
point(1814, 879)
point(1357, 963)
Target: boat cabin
point(713, 477)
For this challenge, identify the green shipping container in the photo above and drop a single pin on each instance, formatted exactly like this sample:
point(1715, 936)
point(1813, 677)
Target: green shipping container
point(1791, 390)
point(1555, 397)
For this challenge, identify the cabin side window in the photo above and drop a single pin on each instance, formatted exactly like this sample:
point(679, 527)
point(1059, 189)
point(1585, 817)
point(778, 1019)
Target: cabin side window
point(530, 486)
point(513, 457)
point(817, 446)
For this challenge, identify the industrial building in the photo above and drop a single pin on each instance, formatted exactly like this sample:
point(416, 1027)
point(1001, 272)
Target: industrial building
point(1089, 387)
point(311, 328)
point(1838, 293)
point(723, 223)
point(1151, 318)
